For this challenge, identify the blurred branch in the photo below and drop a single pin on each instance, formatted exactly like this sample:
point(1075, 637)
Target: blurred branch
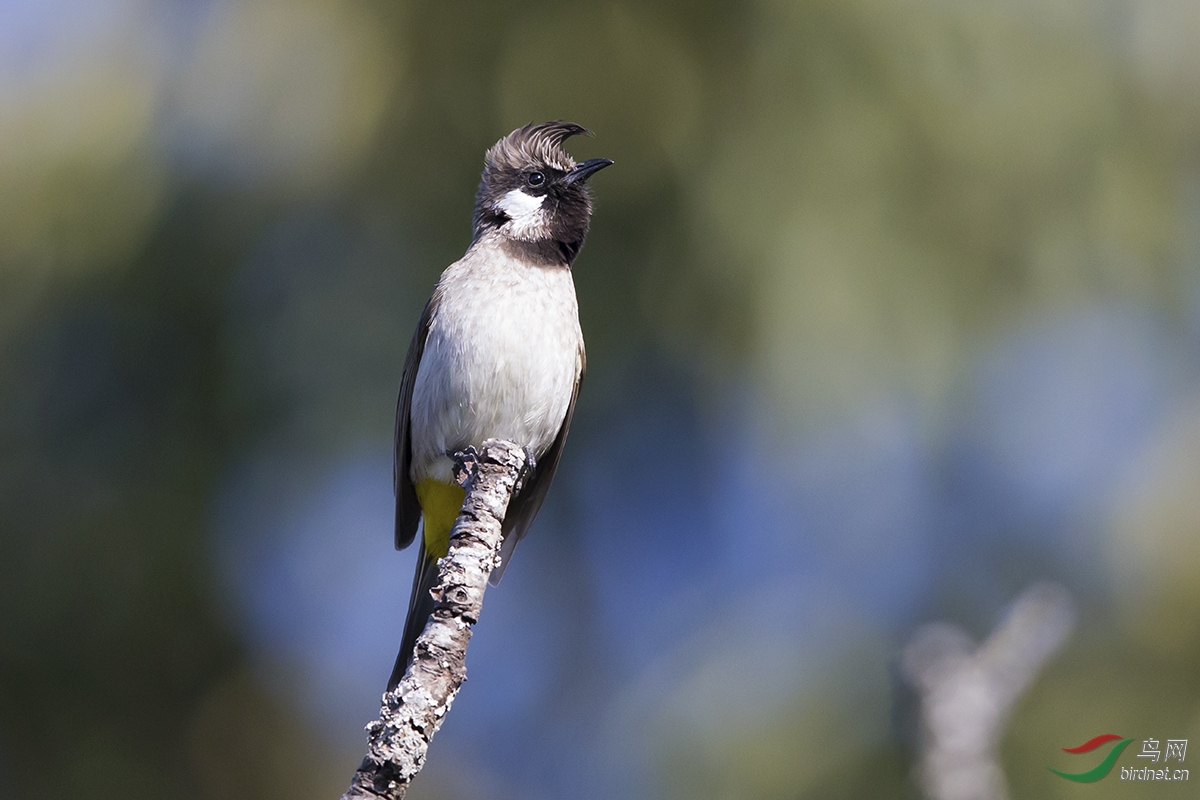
point(397, 742)
point(967, 694)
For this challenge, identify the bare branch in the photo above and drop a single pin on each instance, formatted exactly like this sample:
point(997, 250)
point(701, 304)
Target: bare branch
point(398, 741)
point(967, 693)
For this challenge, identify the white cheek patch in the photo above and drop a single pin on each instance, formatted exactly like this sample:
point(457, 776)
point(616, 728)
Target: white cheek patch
point(520, 206)
point(525, 212)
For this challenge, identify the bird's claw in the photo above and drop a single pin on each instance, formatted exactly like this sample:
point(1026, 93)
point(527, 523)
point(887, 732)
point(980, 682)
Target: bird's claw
point(527, 469)
point(464, 463)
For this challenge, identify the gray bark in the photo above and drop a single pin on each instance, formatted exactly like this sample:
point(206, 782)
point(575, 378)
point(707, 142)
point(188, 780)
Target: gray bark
point(398, 741)
point(968, 692)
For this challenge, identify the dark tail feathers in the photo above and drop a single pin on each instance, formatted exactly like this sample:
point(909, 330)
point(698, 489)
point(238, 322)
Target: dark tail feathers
point(420, 607)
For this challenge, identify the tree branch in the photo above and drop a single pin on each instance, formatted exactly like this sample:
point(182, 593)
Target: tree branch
point(398, 741)
point(968, 692)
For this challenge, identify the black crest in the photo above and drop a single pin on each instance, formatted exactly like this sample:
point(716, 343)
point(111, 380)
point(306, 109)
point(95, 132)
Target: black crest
point(534, 144)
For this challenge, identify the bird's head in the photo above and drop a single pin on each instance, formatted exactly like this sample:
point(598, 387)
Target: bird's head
point(533, 191)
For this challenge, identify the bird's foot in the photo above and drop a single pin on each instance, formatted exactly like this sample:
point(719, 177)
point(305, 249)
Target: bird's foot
point(527, 470)
point(464, 463)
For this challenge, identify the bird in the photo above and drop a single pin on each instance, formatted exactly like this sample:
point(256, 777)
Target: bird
point(498, 352)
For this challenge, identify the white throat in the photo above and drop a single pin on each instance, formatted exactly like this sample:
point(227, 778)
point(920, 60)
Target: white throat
point(525, 213)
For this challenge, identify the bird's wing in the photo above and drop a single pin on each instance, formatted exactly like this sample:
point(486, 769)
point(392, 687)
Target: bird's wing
point(525, 504)
point(408, 510)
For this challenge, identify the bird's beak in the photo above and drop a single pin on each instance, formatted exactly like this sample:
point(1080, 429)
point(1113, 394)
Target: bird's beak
point(588, 168)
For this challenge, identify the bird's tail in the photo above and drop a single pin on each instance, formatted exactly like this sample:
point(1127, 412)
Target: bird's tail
point(420, 607)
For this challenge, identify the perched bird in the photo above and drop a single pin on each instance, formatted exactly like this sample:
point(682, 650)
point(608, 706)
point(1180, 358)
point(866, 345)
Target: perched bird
point(498, 352)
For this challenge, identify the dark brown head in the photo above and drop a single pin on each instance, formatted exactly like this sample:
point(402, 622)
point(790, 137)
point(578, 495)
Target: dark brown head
point(532, 191)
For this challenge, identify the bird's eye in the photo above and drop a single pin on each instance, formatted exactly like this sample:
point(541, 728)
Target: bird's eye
point(535, 178)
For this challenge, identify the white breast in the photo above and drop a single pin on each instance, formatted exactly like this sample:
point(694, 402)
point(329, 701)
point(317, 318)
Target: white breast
point(501, 359)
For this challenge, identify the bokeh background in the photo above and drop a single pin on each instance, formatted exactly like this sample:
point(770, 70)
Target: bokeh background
point(892, 309)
